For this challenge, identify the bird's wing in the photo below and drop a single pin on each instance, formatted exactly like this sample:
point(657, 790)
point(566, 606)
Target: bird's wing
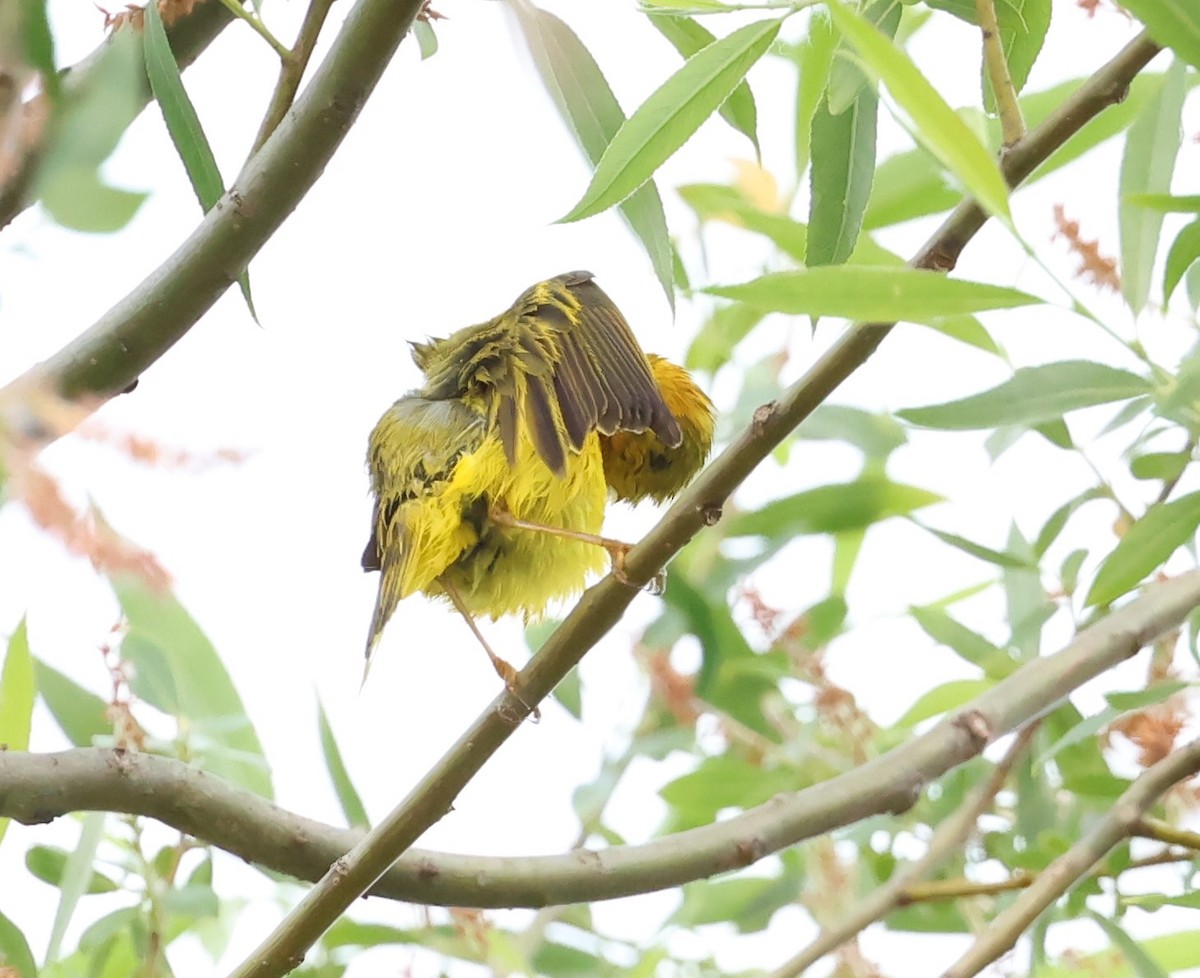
point(562, 361)
point(417, 529)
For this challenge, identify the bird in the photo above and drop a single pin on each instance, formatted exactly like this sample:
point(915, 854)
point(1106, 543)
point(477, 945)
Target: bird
point(491, 479)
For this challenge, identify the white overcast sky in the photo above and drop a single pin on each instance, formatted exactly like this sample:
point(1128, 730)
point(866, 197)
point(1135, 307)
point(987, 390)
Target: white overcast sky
point(437, 212)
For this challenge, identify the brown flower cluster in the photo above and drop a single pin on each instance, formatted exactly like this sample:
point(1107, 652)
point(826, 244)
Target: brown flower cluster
point(1093, 266)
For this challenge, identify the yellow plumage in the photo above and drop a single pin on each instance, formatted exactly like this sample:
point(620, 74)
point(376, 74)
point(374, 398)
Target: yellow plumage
point(528, 418)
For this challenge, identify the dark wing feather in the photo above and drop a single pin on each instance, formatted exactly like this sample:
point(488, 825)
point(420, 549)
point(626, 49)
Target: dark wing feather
point(561, 361)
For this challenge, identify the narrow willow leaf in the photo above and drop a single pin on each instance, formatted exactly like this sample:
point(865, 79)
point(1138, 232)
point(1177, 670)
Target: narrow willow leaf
point(846, 77)
point(347, 794)
point(814, 59)
point(942, 699)
point(1139, 960)
point(1185, 250)
point(178, 671)
point(77, 878)
point(871, 294)
point(1159, 465)
point(843, 167)
point(183, 126)
point(1172, 23)
point(1021, 46)
point(1167, 203)
point(969, 646)
point(672, 113)
point(1032, 395)
point(997, 557)
point(1008, 12)
point(688, 37)
point(719, 202)
point(587, 104)
point(17, 694)
point(1147, 167)
point(832, 509)
point(1146, 546)
point(935, 125)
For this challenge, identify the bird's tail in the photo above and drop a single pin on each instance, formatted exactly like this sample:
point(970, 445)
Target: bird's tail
point(385, 603)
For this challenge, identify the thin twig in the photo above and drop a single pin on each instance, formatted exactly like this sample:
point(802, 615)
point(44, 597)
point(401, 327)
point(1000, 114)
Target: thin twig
point(1121, 821)
point(1011, 122)
point(259, 28)
point(936, 890)
point(1160, 831)
point(947, 840)
point(291, 70)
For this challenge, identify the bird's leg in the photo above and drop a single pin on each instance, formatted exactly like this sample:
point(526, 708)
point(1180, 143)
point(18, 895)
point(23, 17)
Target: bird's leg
point(617, 549)
point(503, 668)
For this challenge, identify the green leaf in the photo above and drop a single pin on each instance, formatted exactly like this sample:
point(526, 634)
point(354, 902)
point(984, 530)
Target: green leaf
point(942, 699)
point(832, 509)
point(1147, 167)
point(935, 125)
point(1146, 546)
point(907, 186)
point(1172, 23)
point(90, 120)
point(997, 557)
point(76, 879)
point(748, 902)
point(721, 782)
point(49, 864)
point(587, 104)
point(875, 435)
point(1008, 12)
point(1167, 203)
point(177, 670)
point(871, 294)
point(1159, 465)
point(80, 713)
point(688, 37)
point(1185, 250)
point(1143, 965)
point(672, 113)
point(813, 58)
point(728, 325)
point(183, 124)
point(843, 167)
point(1033, 395)
point(17, 693)
point(1021, 46)
point(846, 77)
point(426, 37)
point(969, 646)
point(14, 950)
point(347, 795)
point(717, 202)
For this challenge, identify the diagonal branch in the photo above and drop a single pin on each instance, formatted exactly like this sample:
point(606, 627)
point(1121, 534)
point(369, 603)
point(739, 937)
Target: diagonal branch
point(1121, 821)
point(40, 787)
point(602, 606)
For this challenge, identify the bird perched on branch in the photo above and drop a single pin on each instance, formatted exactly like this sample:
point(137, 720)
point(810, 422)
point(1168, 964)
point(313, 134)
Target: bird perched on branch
point(491, 479)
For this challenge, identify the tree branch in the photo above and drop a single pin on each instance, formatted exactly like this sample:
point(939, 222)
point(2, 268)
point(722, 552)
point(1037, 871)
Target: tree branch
point(159, 311)
point(188, 37)
point(37, 788)
point(947, 840)
point(1061, 875)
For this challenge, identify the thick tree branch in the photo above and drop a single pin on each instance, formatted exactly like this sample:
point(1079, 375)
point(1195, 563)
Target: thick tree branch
point(156, 314)
point(188, 36)
point(40, 787)
point(1121, 821)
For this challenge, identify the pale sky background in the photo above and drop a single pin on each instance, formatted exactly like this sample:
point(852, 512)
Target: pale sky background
point(437, 212)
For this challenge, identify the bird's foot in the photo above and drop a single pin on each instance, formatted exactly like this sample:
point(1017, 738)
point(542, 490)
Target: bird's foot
point(618, 552)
